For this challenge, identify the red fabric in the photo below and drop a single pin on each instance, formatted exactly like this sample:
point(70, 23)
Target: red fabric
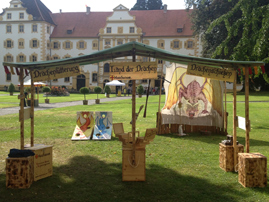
point(17, 71)
point(263, 69)
point(6, 70)
point(250, 70)
point(239, 71)
point(26, 72)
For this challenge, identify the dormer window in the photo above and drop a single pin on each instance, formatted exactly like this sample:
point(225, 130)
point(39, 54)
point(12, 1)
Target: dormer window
point(108, 30)
point(179, 30)
point(69, 31)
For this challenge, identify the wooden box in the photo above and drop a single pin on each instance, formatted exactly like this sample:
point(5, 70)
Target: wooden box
point(133, 172)
point(252, 170)
point(42, 161)
point(226, 156)
point(19, 172)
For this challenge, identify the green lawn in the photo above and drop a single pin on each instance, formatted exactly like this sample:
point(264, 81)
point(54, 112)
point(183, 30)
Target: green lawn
point(177, 168)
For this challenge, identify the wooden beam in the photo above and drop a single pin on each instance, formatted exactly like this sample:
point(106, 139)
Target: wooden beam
point(225, 113)
point(133, 114)
point(247, 107)
point(160, 94)
point(234, 125)
point(32, 109)
point(21, 108)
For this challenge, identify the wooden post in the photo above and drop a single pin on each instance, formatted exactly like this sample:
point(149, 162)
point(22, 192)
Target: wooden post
point(145, 110)
point(225, 114)
point(247, 107)
point(133, 113)
point(160, 94)
point(32, 109)
point(22, 108)
point(234, 124)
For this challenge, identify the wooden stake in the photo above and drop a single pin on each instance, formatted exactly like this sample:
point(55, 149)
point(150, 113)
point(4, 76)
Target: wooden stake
point(225, 114)
point(160, 94)
point(133, 114)
point(32, 109)
point(22, 108)
point(145, 111)
point(234, 124)
point(247, 107)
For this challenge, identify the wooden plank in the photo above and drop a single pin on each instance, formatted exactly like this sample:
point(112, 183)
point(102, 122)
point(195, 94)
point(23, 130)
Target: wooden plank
point(22, 108)
point(234, 124)
point(32, 110)
point(225, 113)
point(247, 107)
point(160, 94)
point(27, 114)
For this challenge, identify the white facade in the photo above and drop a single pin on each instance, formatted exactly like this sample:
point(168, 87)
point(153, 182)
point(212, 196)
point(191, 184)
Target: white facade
point(120, 28)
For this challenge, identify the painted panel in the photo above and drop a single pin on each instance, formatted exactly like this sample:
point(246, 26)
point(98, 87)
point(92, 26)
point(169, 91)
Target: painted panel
point(84, 126)
point(103, 126)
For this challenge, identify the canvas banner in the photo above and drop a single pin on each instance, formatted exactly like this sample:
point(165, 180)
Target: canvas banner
point(56, 73)
point(133, 70)
point(84, 127)
point(211, 72)
point(192, 100)
point(103, 126)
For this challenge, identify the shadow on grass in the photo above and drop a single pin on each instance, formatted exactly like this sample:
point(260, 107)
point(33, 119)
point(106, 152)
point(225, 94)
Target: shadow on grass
point(86, 178)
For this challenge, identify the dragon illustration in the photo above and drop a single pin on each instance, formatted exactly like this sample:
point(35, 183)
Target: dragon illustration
point(85, 125)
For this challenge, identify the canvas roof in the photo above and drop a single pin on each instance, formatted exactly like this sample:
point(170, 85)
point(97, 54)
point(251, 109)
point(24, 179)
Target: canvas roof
point(138, 49)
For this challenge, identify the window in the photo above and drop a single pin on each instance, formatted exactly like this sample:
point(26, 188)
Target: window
point(9, 16)
point(160, 62)
point(34, 58)
point(108, 30)
point(55, 45)
point(176, 44)
point(94, 77)
point(120, 42)
point(132, 30)
point(48, 29)
point(21, 58)
point(21, 15)
point(21, 28)
point(55, 57)
point(67, 45)
point(34, 28)
point(9, 44)
point(8, 77)
point(144, 80)
point(69, 31)
point(9, 58)
point(145, 59)
point(95, 45)
point(190, 44)
point(120, 30)
point(106, 67)
point(107, 42)
point(179, 30)
point(160, 44)
point(21, 44)
point(9, 29)
point(81, 44)
point(66, 79)
point(35, 45)
point(55, 80)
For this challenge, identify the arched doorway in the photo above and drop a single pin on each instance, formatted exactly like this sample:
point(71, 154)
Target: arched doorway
point(80, 81)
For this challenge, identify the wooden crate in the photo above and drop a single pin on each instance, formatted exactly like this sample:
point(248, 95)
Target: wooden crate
point(129, 171)
point(19, 172)
point(252, 170)
point(42, 161)
point(226, 156)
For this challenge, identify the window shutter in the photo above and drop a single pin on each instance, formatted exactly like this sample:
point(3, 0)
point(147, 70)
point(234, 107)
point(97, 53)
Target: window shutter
point(11, 44)
point(17, 58)
point(11, 58)
point(37, 43)
point(5, 58)
point(71, 45)
point(77, 45)
point(64, 45)
point(59, 45)
point(85, 45)
point(31, 44)
point(185, 44)
point(5, 44)
point(171, 45)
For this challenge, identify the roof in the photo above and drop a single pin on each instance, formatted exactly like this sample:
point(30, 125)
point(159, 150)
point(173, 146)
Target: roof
point(157, 23)
point(38, 10)
point(129, 49)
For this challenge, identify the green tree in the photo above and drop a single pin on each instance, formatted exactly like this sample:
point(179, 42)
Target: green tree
point(140, 5)
point(154, 5)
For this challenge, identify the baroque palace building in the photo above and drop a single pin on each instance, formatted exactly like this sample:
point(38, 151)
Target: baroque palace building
point(30, 32)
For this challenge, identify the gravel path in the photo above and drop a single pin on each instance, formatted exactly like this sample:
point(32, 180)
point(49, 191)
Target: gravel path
point(15, 110)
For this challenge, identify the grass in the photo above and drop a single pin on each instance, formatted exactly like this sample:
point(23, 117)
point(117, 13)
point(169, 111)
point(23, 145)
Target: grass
point(177, 168)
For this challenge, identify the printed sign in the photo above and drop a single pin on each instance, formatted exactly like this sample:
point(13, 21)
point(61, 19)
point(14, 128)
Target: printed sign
point(56, 73)
point(241, 122)
point(133, 70)
point(211, 72)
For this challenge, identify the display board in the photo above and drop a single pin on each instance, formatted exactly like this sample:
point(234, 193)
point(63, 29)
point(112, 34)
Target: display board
point(84, 126)
point(192, 100)
point(103, 126)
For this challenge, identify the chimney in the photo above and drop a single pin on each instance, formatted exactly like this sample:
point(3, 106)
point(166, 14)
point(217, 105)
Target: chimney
point(88, 10)
point(165, 8)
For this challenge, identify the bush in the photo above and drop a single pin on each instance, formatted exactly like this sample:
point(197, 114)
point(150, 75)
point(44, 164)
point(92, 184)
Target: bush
point(97, 90)
point(46, 90)
point(107, 90)
point(84, 91)
point(140, 90)
point(11, 88)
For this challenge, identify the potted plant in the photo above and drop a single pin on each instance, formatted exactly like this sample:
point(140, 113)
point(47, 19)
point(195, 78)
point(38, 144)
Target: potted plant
point(46, 90)
point(107, 91)
point(140, 90)
point(84, 90)
point(11, 89)
point(97, 90)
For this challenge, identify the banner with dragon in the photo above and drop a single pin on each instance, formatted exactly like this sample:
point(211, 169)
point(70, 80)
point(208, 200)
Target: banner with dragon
point(192, 100)
point(84, 127)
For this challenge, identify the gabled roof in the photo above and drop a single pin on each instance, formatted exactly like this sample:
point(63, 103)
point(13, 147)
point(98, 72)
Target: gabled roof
point(154, 23)
point(129, 49)
point(38, 10)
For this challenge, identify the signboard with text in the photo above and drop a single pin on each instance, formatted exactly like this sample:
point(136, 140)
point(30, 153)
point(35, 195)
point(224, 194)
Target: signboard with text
point(56, 73)
point(211, 72)
point(133, 70)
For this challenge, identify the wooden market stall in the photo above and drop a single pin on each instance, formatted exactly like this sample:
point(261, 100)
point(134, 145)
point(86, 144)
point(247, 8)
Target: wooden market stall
point(70, 67)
